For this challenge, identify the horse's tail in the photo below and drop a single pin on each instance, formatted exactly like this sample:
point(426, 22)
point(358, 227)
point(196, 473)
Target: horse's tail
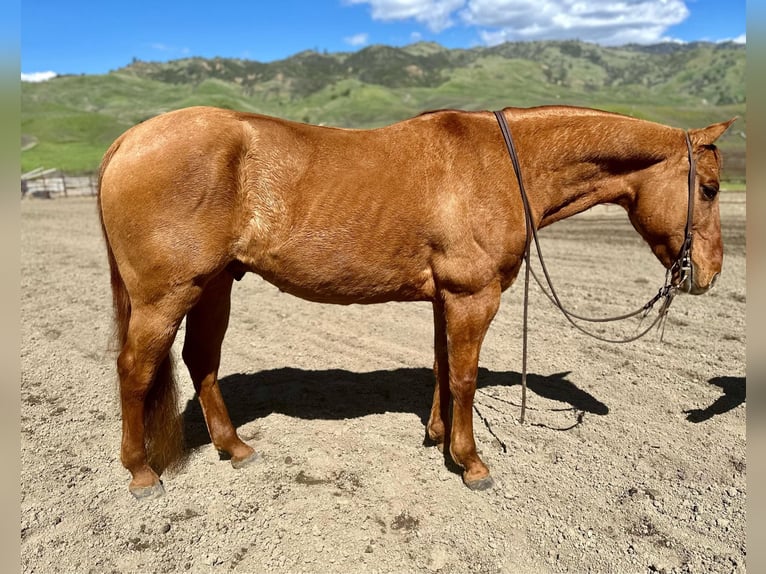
point(120, 298)
point(163, 427)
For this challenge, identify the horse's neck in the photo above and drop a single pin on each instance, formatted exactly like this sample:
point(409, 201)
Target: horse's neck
point(572, 189)
point(576, 172)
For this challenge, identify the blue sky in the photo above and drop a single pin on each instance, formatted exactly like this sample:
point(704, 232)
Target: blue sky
point(75, 37)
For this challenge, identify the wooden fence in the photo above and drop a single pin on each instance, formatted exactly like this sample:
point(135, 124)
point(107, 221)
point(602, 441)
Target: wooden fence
point(51, 183)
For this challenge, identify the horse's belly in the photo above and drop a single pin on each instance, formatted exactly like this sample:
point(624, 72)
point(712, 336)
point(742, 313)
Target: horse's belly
point(346, 276)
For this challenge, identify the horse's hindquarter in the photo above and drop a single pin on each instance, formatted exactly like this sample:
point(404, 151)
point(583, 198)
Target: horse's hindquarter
point(169, 196)
point(362, 216)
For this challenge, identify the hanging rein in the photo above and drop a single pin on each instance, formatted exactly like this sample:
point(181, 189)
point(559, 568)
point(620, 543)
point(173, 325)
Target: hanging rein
point(681, 268)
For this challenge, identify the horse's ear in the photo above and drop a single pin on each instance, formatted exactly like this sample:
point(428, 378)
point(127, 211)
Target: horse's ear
point(706, 136)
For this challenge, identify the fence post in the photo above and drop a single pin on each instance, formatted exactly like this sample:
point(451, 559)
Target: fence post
point(46, 189)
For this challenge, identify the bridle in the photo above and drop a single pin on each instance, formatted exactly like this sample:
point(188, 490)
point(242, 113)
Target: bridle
point(679, 277)
point(683, 262)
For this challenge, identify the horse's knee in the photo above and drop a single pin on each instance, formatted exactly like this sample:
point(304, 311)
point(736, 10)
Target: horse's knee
point(463, 389)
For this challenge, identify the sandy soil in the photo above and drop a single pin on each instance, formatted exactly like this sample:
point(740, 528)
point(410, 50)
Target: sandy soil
point(632, 458)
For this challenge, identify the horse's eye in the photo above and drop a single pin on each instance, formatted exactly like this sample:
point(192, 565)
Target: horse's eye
point(710, 191)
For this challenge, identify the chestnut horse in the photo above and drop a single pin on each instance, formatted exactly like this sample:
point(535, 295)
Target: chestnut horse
point(427, 209)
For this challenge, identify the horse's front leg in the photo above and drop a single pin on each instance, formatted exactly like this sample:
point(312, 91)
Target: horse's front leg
point(438, 421)
point(467, 319)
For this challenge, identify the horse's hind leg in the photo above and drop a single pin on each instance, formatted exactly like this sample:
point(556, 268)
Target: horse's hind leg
point(206, 325)
point(151, 432)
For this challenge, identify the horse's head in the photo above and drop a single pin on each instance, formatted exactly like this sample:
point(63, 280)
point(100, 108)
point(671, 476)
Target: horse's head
point(659, 210)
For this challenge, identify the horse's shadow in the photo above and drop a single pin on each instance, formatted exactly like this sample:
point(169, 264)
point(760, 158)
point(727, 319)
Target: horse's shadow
point(733, 395)
point(337, 394)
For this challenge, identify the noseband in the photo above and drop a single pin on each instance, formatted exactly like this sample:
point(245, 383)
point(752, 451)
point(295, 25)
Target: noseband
point(679, 276)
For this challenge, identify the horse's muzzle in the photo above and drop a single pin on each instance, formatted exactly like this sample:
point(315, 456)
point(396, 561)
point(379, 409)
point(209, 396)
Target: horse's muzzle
point(688, 285)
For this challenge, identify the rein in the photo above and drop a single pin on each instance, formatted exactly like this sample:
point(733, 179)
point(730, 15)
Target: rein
point(682, 266)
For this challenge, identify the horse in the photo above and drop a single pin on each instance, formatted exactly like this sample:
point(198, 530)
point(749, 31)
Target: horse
point(426, 209)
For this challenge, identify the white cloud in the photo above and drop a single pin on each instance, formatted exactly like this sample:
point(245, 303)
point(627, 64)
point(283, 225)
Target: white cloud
point(741, 39)
point(38, 76)
point(357, 39)
point(435, 14)
point(601, 21)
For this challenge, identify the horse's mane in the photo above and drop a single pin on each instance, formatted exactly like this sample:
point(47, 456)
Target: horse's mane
point(540, 111)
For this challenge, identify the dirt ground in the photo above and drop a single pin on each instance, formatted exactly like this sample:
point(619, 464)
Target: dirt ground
point(632, 458)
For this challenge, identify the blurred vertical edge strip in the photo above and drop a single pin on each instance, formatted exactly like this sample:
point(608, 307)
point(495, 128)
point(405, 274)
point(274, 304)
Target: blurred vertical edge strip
point(756, 299)
point(10, 278)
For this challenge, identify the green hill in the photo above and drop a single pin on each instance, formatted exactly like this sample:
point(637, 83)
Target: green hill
point(69, 121)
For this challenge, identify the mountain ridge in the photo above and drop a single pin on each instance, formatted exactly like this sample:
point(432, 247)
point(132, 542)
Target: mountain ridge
point(74, 118)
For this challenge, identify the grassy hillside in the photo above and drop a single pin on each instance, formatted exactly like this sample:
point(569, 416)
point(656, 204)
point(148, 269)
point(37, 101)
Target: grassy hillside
point(69, 121)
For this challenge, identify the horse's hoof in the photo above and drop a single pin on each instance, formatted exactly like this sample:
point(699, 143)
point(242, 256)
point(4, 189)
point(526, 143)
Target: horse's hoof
point(480, 484)
point(247, 461)
point(147, 492)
